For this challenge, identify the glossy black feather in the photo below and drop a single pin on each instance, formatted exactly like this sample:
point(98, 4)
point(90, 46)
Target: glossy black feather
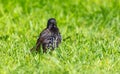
point(50, 37)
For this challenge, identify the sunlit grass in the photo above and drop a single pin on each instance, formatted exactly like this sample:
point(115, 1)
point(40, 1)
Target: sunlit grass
point(91, 26)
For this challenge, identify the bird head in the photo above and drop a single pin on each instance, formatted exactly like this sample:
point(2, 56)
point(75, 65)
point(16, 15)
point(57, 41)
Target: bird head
point(51, 23)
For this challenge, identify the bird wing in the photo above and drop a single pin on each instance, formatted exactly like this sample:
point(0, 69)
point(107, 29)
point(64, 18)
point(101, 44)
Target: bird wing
point(59, 38)
point(45, 33)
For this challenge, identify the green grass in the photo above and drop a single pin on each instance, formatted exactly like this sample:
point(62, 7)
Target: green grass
point(92, 25)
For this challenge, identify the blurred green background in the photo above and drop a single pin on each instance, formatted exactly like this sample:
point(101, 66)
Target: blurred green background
point(93, 28)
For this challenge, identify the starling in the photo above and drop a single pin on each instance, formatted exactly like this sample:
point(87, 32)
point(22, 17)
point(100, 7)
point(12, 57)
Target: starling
point(49, 38)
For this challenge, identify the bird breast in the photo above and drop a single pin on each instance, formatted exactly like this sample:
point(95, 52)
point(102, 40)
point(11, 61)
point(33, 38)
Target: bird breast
point(51, 42)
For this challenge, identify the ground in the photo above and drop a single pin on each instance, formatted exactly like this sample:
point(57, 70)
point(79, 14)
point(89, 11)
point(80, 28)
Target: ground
point(90, 31)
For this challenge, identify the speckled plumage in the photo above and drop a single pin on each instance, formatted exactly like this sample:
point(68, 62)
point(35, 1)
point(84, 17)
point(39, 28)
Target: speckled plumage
point(50, 37)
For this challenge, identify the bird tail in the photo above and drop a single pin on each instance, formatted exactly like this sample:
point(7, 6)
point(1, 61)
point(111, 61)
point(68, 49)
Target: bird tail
point(33, 49)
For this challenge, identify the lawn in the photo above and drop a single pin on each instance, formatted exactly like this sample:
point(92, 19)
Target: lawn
point(90, 31)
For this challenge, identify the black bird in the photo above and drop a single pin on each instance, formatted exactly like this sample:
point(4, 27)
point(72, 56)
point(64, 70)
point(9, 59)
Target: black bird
point(49, 38)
